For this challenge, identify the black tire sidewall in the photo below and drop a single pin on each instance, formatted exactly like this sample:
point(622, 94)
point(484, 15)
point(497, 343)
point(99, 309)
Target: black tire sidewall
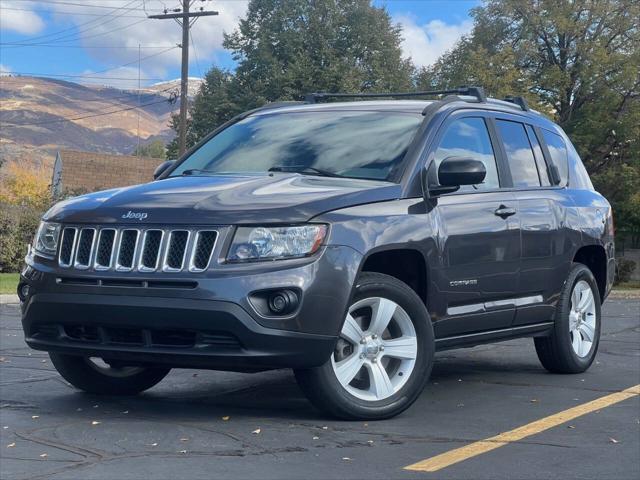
point(378, 285)
point(561, 328)
point(81, 375)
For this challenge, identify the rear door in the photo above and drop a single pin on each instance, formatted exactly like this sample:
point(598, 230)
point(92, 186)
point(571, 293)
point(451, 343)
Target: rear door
point(478, 235)
point(541, 217)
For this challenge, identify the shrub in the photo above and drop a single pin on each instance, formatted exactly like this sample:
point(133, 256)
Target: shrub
point(24, 197)
point(624, 269)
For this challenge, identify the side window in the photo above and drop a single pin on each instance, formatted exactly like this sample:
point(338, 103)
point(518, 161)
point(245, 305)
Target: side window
point(522, 163)
point(558, 152)
point(468, 137)
point(537, 152)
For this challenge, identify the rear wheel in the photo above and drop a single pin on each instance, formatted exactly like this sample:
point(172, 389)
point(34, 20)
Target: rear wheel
point(572, 346)
point(383, 357)
point(95, 375)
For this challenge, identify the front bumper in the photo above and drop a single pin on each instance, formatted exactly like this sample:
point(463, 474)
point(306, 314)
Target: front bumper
point(209, 325)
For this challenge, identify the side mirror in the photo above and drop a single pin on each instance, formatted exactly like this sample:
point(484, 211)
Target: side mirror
point(452, 173)
point(163, 167)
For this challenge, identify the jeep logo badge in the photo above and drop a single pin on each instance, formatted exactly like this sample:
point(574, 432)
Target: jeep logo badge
point(135, 215)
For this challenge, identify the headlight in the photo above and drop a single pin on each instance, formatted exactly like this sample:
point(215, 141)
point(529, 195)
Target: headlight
point(46, 239)
point(273, 243)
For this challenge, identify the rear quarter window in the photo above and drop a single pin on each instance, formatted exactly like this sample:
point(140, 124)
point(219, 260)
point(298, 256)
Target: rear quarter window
point(558, 151)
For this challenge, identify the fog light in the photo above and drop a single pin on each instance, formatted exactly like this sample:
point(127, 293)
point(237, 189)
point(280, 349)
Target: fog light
point(283, 302)
point(23, 291)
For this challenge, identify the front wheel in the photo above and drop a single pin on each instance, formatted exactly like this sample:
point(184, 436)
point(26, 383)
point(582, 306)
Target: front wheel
point(95, 375)
point(383, 357)
point(573, 343)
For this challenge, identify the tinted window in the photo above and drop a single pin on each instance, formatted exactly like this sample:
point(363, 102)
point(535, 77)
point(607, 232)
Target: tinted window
point(468, 137)
point(519, 154)
point(537, 151)
point(352, 144)
point(558, 152)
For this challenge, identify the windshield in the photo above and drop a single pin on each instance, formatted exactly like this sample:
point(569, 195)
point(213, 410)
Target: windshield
point(357, 144)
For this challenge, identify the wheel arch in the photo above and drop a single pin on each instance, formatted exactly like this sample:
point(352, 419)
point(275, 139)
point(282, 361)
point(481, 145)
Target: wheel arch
point(408, 265)
point(594, 258)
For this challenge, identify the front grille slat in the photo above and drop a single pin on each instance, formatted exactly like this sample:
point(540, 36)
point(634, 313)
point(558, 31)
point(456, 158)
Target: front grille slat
point(84, 248)
point(202, 250)
point(126, 249)
point(66, 246)
point(104, 254)
point(150, 250)
point(176, 249)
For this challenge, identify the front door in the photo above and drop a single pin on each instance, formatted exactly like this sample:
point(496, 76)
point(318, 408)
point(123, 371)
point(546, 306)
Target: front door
point(478, 235)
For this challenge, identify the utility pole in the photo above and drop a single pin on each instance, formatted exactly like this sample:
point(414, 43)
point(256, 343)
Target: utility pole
point(185, 19)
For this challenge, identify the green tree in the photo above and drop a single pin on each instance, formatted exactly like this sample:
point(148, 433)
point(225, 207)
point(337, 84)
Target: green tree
point(286, 48)
point(576, 60)
point(155, 149)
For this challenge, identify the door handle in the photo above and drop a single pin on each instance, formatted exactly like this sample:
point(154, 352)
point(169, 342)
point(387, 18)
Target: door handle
point(504, 212)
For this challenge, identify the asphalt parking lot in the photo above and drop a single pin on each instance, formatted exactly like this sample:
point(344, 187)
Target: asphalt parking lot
point(202, 424)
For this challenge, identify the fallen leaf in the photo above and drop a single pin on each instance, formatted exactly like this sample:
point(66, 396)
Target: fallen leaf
point(225, 418)
point(95, 422)
point(256, 431)
point(44, 455)
point(613, 440)
point(11, 445)
point(35, 416)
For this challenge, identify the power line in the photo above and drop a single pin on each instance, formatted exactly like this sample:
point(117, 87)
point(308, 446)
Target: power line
point(113, 9)
point(54, 45)
point(46, 122)
point(45, 75)
point(85, 5)
point(61, 12)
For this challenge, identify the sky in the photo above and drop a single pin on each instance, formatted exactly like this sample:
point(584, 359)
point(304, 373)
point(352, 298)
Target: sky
point(105, 41)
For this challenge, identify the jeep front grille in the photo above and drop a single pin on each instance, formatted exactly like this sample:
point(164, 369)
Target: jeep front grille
point(132, 249)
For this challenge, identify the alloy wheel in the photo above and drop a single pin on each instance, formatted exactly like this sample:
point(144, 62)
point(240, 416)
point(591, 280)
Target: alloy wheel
point(377, 349)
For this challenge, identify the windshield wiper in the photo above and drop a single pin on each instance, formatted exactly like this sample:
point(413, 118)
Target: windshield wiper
point(303, 169)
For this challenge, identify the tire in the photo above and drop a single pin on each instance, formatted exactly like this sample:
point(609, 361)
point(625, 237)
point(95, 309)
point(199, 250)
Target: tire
point(387, 377)
point(558, 352)
point(101, 378)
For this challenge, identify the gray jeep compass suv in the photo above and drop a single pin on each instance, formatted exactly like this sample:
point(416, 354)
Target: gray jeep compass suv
point(347, 240)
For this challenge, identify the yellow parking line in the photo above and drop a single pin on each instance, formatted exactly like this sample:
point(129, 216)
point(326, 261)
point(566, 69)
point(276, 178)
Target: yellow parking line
point(452, 457)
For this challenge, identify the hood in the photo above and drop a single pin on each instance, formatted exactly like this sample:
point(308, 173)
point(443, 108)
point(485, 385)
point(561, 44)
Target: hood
point(222, 200)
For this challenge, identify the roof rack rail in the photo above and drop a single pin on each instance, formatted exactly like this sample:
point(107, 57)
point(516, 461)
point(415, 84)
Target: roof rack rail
point(477, 92)
point(520, 101)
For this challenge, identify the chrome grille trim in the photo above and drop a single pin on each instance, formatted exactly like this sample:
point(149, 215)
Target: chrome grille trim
point(196, 246)
point(63, 243)
point(110, 249)
point(82, 264)
point(144, 249)
point(168, 250)
point(123, 236)
point(164, 245)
